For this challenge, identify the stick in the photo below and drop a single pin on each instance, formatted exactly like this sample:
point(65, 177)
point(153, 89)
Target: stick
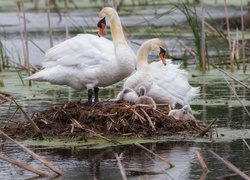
point(243, 38)
point(161, 158)
point(235, 79)
point(244, 107)
point(203, 40)
point(50, 30)
point(121, 167)
point(35, 156)
point(77, 124)
point(36, 128)
point(148, 118)
point(230, 165)
point(229, 38)
point(246, 144)
point(202, 162)
point(187, 48)
point(207, 128)
point(24, 166)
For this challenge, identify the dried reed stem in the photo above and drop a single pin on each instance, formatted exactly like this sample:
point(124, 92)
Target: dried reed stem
point(151, 152)
point(66, 3)
point(50, 29)
point(35, 156)
point(232, 89)
point(243, 38)
point(75, 123)
point(24, 166)
point(246, 144)
point(202, 162)
point(208, 128)
point(203, 40)
point(192, 53)
point(228, 37)
point(148, 118)
point(230, 165)
point(121, 167)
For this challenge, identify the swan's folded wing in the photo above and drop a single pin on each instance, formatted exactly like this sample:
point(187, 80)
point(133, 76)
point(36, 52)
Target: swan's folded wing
point(82, 50)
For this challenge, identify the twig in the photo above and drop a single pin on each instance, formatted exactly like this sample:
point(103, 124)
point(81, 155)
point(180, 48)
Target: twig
point(232, 175)
point(24, 166)
point(243, 38)
point(244, 107)
point(187, 48)
point(203, 40)
point(234, 79)
point(121, 167)
point(77, 124)
point(148, 118)
point(33, 124)
point(228, 37)
point(46, 163)
point(208, 128)
point(202, 162)
point(246, 144)
point(230, 165)
point(161, 158)
point(48, 17)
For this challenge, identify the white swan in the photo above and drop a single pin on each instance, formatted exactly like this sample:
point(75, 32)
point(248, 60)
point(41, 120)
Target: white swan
point(127, 94)
point(182, 114)
point(165, 84)
point(144, 99)
point(88, 61)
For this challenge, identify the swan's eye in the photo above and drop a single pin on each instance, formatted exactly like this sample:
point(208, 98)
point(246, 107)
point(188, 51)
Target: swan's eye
point(101, 22)
point(162, 52)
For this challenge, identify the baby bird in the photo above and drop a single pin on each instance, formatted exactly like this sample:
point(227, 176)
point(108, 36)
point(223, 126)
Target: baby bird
point(183, 113)
point(144, 99)
point(127, 94)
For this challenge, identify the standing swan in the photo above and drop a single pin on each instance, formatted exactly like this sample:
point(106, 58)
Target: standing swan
point(88, 61)
point(165, 84)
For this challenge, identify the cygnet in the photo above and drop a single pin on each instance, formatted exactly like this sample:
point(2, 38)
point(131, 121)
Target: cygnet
point(183, 113)
point(144, 99)
point(127, 94)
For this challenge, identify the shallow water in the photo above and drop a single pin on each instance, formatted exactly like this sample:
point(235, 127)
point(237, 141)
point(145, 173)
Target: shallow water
point(215, 101)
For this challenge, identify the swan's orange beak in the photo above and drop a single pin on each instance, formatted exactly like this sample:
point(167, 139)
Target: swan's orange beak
point(162, 56)
point(101, 25)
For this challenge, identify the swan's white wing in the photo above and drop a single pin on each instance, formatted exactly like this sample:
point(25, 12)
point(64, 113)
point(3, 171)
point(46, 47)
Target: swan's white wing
point(83, 50)
point(173, 80)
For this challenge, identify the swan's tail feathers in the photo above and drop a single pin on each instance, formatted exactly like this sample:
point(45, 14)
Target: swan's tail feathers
point(35, 77)
point(193, 93)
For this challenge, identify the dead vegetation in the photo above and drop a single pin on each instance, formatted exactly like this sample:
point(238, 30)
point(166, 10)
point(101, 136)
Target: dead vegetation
point(75, 120)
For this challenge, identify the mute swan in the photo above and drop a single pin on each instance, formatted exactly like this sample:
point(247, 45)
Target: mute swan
point(165, 84)
point(144, 99)
point(127, 94)
point(88, 61)
point(183, 113)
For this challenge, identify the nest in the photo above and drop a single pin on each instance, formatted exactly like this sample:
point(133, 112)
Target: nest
point(78, 121)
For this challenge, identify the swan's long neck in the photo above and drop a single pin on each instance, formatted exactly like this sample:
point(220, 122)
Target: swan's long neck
point(142, 54)
point(116, 30)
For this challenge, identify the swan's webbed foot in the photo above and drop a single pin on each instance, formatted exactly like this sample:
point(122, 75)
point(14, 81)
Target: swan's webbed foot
point(90, 94)
point(96, 90)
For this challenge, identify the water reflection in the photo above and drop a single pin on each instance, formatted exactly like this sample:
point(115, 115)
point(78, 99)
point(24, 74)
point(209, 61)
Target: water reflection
point(102, 164)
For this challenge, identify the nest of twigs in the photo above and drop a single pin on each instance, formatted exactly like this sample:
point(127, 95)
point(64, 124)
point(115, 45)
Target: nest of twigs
point(76, 120)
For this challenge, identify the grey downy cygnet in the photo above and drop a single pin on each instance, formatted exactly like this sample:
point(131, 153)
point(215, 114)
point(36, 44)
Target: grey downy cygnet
point(184, 113)
point(127, 94)
point(144, 99)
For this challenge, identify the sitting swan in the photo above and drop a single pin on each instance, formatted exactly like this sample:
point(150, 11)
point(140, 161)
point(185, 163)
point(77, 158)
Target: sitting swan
point(165, 84)
point(144, 99)
point(88, 61)
point(127, 94)
point(182, 114)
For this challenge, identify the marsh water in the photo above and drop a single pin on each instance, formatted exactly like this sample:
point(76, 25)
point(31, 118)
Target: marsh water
point(216, 101)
